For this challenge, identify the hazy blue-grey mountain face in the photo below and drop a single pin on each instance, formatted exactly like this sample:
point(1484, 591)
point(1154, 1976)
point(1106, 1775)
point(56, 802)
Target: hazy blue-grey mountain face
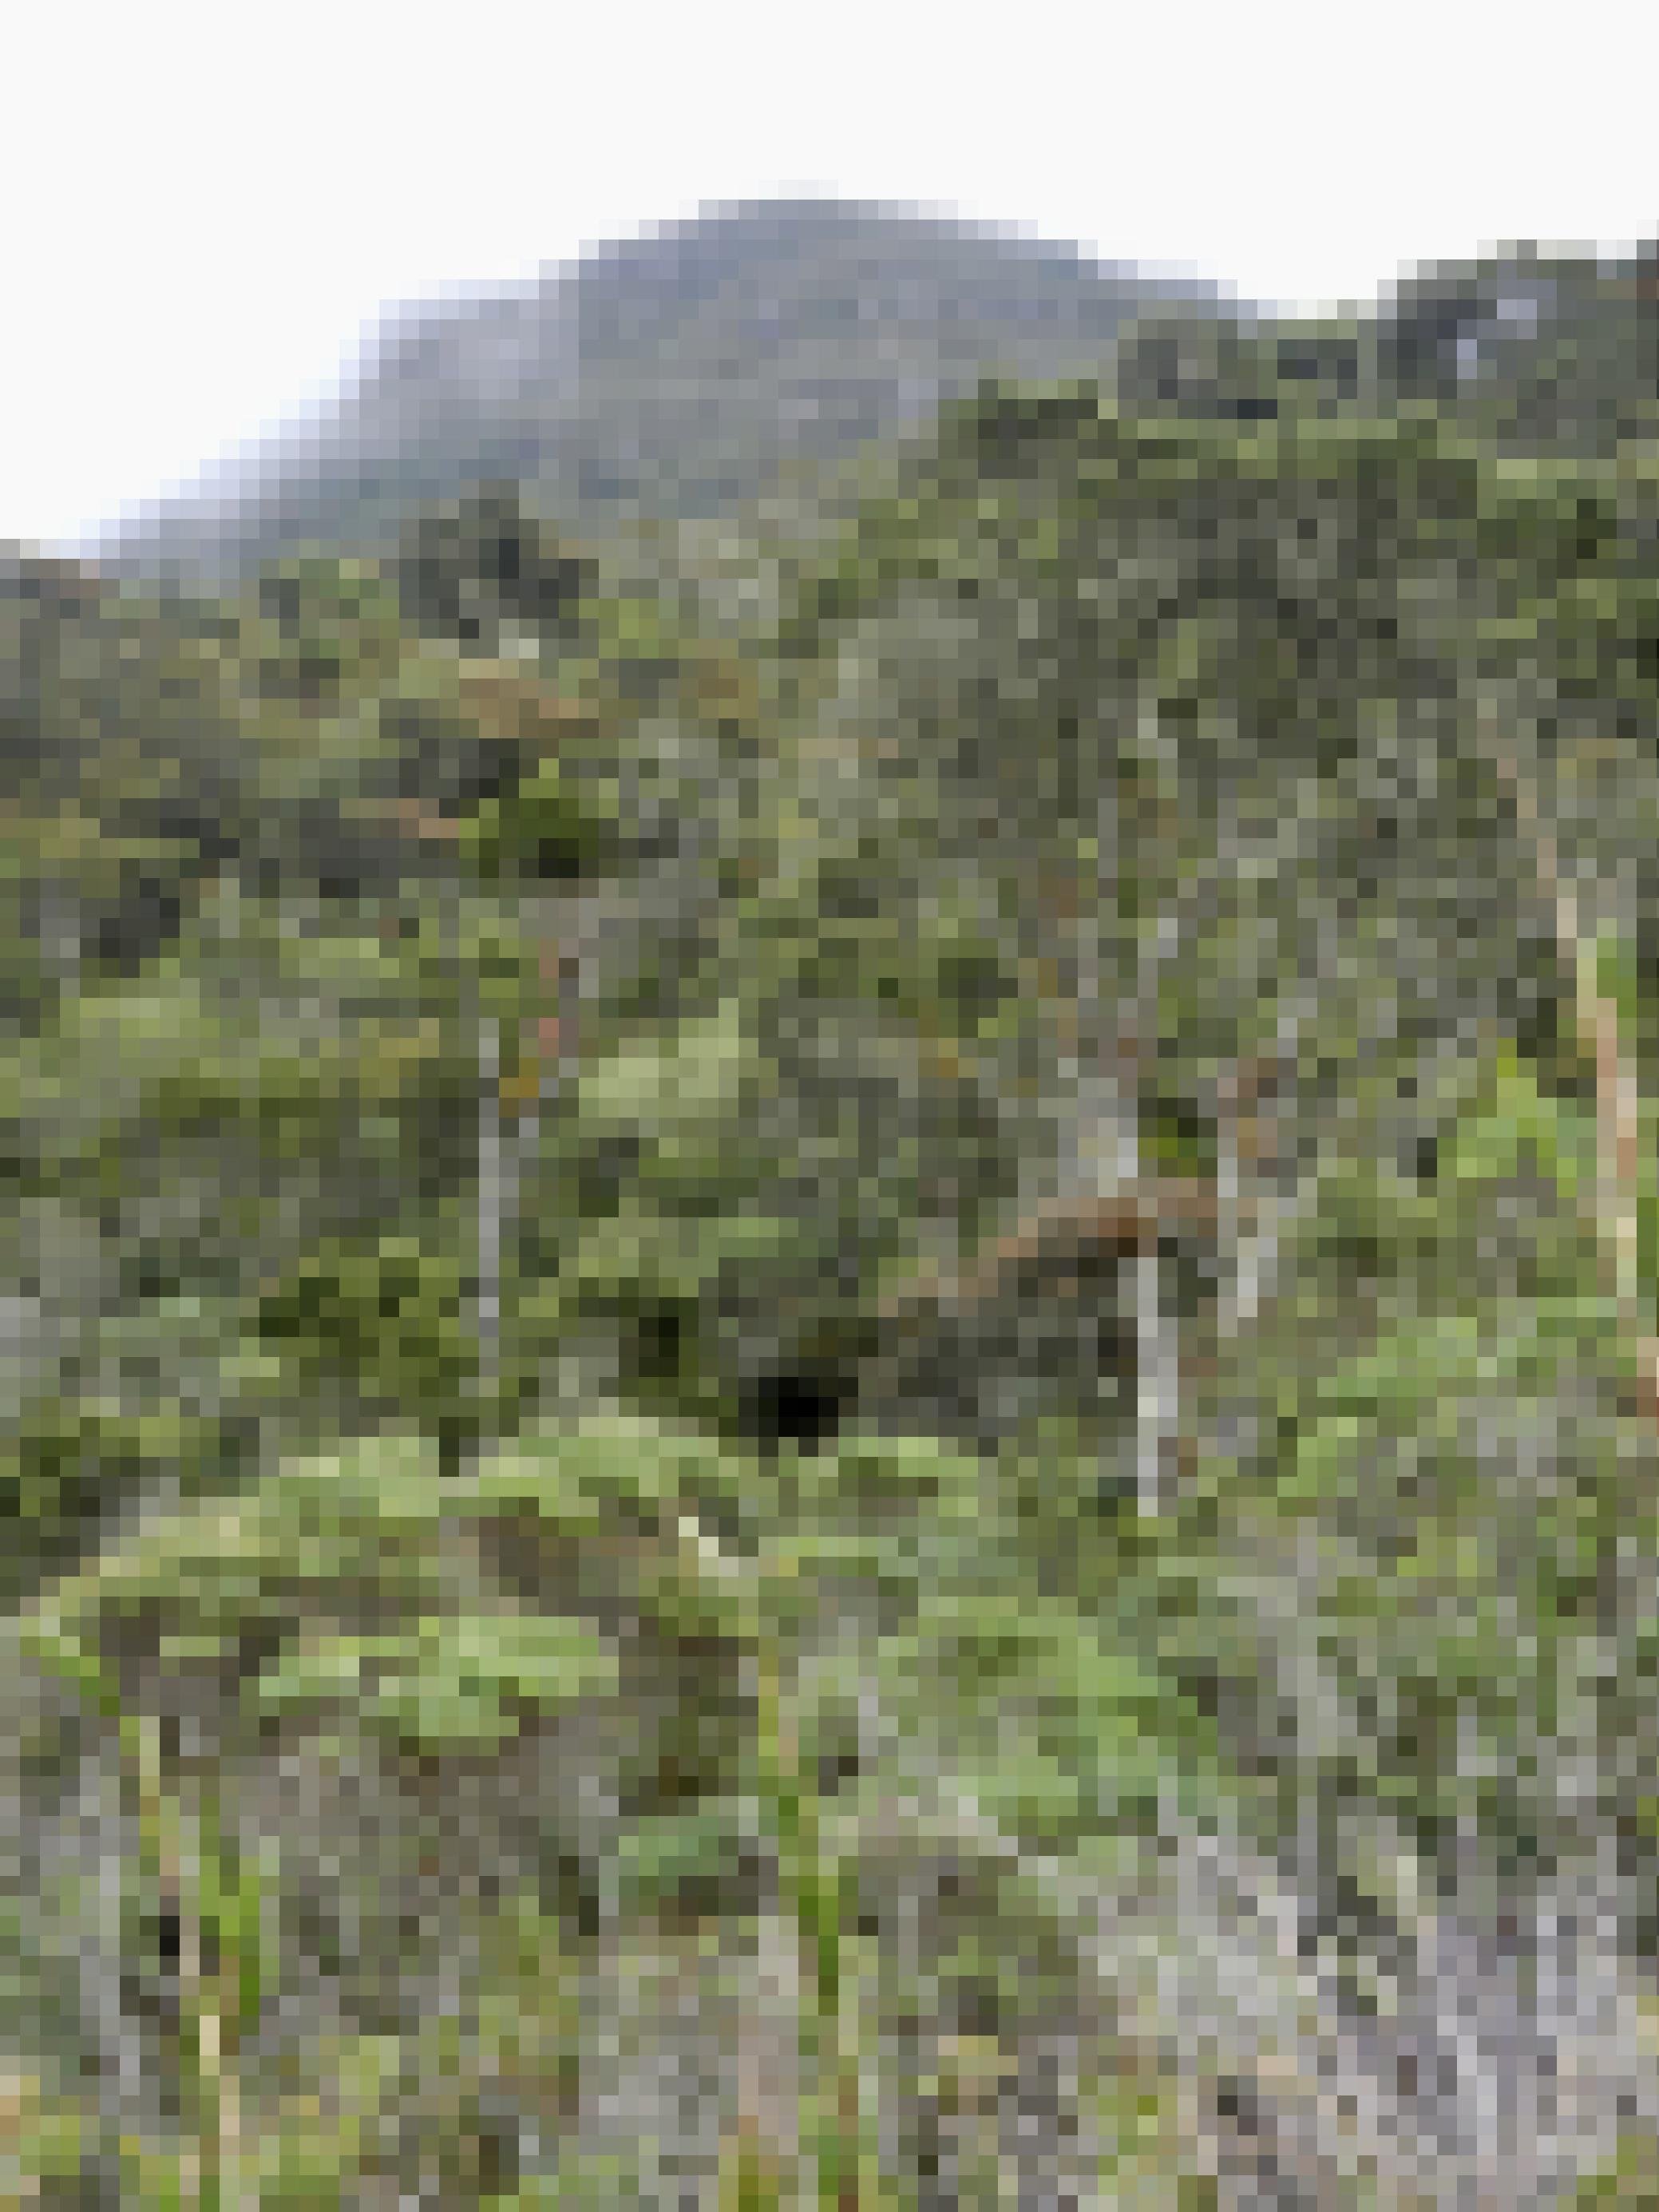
point(751, 351)
point(673, 376)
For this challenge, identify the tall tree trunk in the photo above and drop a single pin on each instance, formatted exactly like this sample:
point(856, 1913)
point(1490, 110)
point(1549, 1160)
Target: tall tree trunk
point(1618, 1091)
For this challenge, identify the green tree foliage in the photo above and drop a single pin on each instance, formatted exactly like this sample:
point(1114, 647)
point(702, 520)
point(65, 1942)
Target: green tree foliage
point(904, 1348)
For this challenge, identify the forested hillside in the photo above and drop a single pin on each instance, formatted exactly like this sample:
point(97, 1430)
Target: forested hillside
point(831, 1374)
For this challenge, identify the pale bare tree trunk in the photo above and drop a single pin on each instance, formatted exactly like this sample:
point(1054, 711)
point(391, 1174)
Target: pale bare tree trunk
point(768, 2081)
point(1618, 1094)
point(1254, 1206)
point(1157, 1383)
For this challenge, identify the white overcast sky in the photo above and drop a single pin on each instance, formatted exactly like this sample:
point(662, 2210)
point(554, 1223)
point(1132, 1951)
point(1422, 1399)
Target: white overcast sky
point(208, 203)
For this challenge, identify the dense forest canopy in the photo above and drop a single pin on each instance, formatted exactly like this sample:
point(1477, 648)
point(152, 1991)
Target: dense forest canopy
point(830, 1329)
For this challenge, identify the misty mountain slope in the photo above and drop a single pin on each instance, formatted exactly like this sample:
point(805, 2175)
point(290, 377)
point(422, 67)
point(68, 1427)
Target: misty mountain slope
point(673, 375)
point(768, 351)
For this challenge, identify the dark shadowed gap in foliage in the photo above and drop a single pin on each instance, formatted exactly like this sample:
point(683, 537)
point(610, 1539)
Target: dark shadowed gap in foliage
point(458, 1441)
point(570, 1890)
point(802, 1406)
point(146, 919)
point(659, 1341)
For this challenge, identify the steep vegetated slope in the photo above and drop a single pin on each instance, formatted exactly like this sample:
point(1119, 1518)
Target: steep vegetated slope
point(843, 1392)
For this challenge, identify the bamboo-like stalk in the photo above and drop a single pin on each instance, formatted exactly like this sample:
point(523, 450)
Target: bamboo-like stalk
point(159, 1857)
point(188, 1868)
point(228, 1900)
point(182, 1862)
point(801, 2124)
point(809, 1894)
